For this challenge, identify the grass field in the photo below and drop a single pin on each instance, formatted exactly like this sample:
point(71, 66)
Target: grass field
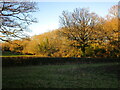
point(102, 75)
point(8, 53)
point(12, 54)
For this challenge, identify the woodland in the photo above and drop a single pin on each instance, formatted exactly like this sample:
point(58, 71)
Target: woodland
point(81, 33)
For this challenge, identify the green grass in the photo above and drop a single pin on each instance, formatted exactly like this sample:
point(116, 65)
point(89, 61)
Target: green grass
point(19, 56)
point(62, 76)
point(8, 53)
point(11, 54)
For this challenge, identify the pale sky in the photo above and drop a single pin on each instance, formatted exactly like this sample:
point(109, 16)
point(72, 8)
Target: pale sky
point(49, 12)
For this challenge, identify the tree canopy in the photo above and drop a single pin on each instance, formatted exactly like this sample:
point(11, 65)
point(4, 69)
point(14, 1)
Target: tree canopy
point(15, 18)
point(80, 26)
point(82, 34)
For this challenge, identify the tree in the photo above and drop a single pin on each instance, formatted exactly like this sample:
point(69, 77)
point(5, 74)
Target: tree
point(79, 27)
point(113, 11)
point(112, 29)
point(14, 18)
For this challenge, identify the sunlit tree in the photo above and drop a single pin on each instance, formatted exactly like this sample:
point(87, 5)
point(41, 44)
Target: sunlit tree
point(79, 27)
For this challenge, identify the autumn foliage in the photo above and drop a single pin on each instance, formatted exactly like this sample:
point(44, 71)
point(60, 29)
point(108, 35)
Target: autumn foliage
point(82, 34)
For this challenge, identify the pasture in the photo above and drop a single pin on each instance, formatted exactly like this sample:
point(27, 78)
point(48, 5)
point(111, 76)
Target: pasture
point(69, 75)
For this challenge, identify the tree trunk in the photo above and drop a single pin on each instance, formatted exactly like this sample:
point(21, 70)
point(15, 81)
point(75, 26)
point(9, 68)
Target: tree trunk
point(83, 50)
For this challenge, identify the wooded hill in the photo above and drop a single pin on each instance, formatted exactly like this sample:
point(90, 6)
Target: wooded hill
point(82, 34)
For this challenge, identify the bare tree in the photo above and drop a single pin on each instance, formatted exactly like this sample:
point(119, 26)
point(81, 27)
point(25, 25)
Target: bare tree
point(79, 27)
point(14, 19)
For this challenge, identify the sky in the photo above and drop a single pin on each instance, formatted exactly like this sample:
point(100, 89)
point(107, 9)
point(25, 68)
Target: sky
point(49, 12)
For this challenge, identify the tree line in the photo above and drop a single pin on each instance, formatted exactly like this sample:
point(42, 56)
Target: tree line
point(81, 34)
